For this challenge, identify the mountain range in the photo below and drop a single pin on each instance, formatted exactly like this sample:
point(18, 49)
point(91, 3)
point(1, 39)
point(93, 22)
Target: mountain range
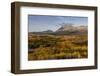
point(72, 28)
point(68, 29)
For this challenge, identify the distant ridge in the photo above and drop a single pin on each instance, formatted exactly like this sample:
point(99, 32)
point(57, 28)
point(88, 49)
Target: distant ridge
point(48, 31)
point(66, 29)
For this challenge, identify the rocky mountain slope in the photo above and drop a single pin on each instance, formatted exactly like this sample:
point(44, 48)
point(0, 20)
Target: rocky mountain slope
point(72, 28)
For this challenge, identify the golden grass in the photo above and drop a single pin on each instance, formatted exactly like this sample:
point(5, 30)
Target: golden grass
point(57, 47)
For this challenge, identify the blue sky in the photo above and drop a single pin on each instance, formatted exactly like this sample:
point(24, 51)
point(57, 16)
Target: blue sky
point(37, 23)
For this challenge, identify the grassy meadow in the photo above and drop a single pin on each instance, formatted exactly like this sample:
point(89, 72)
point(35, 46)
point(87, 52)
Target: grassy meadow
point(50, 47)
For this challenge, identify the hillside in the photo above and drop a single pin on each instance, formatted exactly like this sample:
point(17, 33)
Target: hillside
point(69, 27)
